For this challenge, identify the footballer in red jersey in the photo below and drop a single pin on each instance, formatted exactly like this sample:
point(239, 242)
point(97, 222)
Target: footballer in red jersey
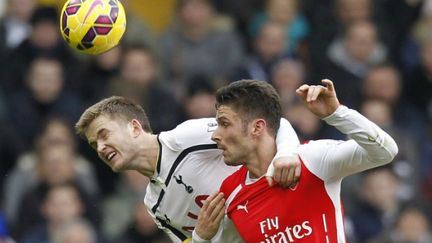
point(311, 211)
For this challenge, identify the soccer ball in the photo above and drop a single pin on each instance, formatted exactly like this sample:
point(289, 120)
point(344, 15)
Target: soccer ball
point(92, 26)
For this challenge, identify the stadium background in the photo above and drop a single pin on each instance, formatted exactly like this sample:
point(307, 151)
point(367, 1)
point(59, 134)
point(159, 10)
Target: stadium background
point(173, 57)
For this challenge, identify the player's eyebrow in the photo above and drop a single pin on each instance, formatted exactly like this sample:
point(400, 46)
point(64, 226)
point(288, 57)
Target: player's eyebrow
point(92, 143)
point(221, 119)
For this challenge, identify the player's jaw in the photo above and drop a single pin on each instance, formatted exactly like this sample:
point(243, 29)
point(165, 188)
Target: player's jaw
point(113, 158)
point(228, 155)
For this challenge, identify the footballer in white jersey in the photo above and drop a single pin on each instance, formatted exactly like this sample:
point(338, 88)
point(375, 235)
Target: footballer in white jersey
point(184, 164)
point(190, 167)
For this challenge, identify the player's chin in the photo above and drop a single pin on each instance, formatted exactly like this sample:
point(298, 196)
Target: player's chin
point(230, 162)
point(117, 166)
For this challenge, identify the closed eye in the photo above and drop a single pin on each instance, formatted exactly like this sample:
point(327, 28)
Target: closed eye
point(93, 145)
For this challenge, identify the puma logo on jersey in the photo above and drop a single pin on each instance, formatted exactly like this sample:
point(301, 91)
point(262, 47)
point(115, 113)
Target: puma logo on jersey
point(243, 207)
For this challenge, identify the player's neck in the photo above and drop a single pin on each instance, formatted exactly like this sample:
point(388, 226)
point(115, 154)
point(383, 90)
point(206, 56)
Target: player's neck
point(148, 156)
point(262, 157)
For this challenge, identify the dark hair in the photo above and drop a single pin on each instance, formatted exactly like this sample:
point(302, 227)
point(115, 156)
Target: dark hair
point(199, 84)
point(252, 99)
point(114, 106)
point(44, 14)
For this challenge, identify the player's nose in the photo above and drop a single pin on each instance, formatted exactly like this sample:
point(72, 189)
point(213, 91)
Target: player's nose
point(100, 147)
point(215, 136)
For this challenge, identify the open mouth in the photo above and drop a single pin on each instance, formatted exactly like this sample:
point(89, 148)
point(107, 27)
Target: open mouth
point(111, 155)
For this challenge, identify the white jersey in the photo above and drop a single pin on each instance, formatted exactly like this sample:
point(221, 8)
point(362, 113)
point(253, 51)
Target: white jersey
point(190, 167)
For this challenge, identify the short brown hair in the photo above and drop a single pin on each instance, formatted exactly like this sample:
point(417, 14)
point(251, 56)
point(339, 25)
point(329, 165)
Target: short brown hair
point(252, 99)
point(115, 106)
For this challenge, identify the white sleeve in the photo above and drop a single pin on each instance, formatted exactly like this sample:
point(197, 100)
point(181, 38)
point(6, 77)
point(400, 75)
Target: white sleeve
point(331, 159)
point(190, 133)
point(287, 141)
point(197, 239)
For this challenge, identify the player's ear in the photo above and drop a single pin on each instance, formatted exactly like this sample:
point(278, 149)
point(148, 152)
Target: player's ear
point(134, 128)
point(259, 126)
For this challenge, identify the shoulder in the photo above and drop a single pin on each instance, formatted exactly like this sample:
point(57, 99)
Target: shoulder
point(190, 133)
point(193, 125)
point(233, 181)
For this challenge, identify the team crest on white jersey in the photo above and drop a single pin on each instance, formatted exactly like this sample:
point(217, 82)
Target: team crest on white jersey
point(243, 207)
point(211, 126)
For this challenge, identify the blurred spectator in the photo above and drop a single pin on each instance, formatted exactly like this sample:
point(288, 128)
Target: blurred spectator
point(15, 24)
point(197, 45)
point(417, 89)
point(55, 167)
point(419, 82)
point(242, 11)
point(61, 204)
point(138, 32)
point(288, 15)
point(412, 226)
point(139, 80)
point(11, 143)
point(331, 18)
point(4, 234)
point(2, 8)
point(92, 86)
point(44, 41)
point(395, 19)
point(268, 50)
point(414, 42)
point(11, 146)
point(350, 58)
point(143, 228)
point(77, 231)
point(350, 11)
point(406, 164)
point(407, 127)
point(384, 82)
point(306, 124)
point(55, 132)
point(45, 94)
point(287, 76)
point(379, 205)
point(118, 208)
point(199, 99)
point(359, 49)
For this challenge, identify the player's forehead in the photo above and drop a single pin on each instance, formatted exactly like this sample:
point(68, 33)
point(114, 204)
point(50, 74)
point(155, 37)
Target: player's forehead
point(226, 112)
point(99, 123)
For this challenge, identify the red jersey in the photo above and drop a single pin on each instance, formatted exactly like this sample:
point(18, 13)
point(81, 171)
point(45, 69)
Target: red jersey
point(312, 210)
point(261, 213)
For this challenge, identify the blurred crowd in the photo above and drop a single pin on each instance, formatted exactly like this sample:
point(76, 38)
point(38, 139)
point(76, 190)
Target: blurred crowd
point(55, 189)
